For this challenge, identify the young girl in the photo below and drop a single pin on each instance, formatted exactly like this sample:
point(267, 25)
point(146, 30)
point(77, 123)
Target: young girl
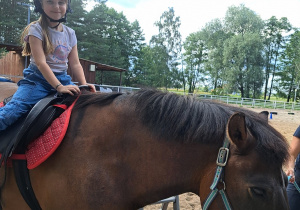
point(51, 46)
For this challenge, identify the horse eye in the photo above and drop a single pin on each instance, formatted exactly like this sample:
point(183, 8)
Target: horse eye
point(258, 192)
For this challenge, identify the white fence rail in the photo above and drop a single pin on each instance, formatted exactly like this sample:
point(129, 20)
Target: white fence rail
point(110, 88)
point(255, 103)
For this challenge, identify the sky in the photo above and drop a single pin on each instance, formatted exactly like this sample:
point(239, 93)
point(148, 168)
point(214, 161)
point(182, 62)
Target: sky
point(194, 14)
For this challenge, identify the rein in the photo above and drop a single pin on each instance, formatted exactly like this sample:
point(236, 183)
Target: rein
point(221, 163)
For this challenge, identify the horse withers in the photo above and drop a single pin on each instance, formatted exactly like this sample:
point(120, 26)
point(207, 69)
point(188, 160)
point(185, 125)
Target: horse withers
point(125, 151)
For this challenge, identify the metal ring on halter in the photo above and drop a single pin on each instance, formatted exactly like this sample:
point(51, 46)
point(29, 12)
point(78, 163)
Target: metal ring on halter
point(224, 185)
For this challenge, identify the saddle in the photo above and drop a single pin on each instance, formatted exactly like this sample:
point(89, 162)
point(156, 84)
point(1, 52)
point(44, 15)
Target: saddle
point(16, 138)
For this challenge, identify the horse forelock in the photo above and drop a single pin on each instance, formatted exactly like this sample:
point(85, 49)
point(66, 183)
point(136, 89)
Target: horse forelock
point(271, 146)
point(187, 119)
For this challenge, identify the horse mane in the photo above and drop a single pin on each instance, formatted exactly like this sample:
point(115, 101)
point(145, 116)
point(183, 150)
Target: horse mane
point(187, 119)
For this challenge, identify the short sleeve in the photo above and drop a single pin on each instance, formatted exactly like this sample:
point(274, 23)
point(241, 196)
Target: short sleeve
point(36, 31)
point(73, 39)
point(297, 132)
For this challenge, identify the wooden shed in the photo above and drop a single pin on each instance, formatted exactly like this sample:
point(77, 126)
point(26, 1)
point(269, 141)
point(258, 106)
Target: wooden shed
point(13, 63)
point(90, 68)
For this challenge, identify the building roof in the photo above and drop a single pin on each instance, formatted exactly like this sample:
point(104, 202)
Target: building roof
point(11, 47)
point(103, 67)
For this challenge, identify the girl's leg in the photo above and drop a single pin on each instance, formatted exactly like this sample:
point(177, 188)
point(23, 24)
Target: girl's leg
point(27, 95)
point(31, 90)
point(65, 79)
point(17, 106)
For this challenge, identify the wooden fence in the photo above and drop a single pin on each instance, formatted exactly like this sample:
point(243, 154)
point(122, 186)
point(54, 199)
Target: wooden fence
point(254, 103)
point(12, 65)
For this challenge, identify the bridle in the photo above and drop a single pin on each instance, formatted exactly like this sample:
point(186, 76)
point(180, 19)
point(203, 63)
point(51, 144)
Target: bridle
point(221, 163)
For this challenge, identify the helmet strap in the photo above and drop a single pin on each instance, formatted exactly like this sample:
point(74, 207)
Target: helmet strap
point(64, 19)
point(55, 26)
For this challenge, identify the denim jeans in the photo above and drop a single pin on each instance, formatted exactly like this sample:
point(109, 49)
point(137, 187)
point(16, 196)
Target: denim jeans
point(293, 196)
point(292, 193)
point(32, 89)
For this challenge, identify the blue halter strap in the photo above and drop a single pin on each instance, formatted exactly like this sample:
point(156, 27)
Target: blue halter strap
point(221, 163)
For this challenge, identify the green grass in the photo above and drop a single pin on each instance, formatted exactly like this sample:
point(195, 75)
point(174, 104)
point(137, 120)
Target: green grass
point(181, 92)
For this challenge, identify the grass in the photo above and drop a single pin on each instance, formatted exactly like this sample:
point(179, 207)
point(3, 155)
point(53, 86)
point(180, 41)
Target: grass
point(181, 92)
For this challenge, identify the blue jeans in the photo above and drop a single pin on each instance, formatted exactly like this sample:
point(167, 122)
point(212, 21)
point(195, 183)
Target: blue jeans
point(32, 89)
point(292, 193)
point(293, 196)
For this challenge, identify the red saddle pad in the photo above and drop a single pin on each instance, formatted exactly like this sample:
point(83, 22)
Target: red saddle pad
point(44, 146)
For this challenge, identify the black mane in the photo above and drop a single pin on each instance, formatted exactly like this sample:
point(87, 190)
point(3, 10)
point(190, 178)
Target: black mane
point(188, 119)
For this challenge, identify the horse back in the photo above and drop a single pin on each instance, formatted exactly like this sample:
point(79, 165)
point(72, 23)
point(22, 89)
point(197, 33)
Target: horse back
point(7, 89)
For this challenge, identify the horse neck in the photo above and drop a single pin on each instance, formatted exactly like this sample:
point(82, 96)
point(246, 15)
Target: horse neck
point(148, 168)
point(178, 167)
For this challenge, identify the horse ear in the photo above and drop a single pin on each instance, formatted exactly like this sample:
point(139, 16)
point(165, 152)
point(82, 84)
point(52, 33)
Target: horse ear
point(237, 132)
point(264, 115)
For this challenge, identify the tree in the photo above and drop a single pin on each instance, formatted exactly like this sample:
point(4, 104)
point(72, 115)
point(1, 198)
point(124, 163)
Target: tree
point(195, 55)
point(169, 38)
point(78, 22)
point(13, 20)
point(137, 43)
point(243, 51)
point(111, 39)
point(214, 35)
point(154, 61)
point(289, 76)
point(273, 43)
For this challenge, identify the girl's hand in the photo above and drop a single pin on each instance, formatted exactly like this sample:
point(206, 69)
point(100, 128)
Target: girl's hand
point(290, 174)
point(69, 89)
point(92, 88)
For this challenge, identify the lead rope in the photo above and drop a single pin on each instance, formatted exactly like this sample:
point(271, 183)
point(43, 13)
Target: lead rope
point(297, 187)
point(221, 163)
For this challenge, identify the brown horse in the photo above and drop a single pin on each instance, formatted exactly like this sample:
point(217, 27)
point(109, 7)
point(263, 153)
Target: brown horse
point(125, 151)
point(7, 89)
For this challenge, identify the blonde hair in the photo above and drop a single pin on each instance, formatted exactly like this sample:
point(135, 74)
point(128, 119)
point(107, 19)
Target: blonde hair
point(47, 44)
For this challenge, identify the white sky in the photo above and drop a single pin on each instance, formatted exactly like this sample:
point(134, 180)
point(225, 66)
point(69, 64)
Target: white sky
point(194, 14)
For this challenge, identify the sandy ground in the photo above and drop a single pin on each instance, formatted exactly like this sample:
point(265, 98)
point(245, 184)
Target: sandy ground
point(284, 122)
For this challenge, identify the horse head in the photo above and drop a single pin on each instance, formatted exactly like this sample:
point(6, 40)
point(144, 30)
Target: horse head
point(249, 180)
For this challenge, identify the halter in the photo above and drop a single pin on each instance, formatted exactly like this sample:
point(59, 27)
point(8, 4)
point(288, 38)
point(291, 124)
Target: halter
point(221, 163)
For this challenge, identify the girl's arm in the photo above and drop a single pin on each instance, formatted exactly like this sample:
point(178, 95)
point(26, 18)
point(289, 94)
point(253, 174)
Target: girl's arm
point(77, 69)
point(37, 51)
point(294, 151)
